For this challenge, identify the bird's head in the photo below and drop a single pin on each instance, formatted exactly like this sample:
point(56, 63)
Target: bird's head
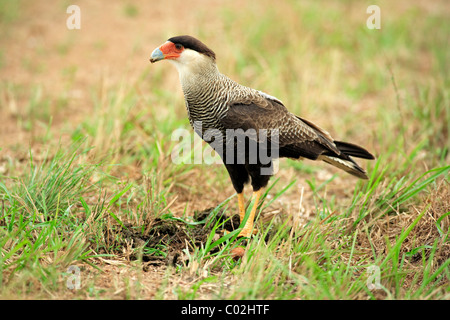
point(183, 51)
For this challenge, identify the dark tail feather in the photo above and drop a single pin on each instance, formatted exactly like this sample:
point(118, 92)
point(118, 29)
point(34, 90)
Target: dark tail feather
point(353, 150)
point(344, 162)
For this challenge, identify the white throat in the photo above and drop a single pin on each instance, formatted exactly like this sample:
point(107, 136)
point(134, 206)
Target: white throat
point(191, 64)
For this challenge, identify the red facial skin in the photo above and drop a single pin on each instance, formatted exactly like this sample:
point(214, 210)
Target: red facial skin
point(171, 51)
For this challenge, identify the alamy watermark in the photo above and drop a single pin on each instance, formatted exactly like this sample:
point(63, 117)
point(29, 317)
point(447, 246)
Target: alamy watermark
point(374, 20)
point(234, 146)
point(74, 20)
point(373, 281)
point(73, 281)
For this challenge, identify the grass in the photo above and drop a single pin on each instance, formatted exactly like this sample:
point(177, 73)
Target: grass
point(40, 233)
point(77, 172)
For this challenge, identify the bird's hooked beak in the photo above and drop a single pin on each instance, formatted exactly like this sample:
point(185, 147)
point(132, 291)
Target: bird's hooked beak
point(167, 51)
point(157, 55)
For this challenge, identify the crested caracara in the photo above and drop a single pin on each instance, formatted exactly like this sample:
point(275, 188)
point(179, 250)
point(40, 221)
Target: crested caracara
point(250, 127)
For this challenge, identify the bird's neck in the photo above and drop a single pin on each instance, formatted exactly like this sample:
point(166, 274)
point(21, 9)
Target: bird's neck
point(205, 93)
point(194, 78)
point(199, 82)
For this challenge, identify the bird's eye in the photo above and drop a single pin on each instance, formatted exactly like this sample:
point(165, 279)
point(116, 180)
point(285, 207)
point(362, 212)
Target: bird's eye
point(178, 46)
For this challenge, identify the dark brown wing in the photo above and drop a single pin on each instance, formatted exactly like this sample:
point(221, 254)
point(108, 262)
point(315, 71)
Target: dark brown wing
point(297, 138)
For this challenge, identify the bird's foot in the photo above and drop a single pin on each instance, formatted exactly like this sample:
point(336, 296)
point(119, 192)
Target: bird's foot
point(247, 232)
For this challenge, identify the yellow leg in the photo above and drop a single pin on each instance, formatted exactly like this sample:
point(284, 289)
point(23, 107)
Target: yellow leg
point(248, 227)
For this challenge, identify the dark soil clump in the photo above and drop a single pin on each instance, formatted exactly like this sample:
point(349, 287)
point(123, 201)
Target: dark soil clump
point(162, 241)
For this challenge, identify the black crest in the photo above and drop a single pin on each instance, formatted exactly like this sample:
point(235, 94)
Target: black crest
point(191, 43)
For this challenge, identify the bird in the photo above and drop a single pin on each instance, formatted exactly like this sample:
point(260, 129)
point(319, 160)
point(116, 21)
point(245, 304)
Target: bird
point(221, 107)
